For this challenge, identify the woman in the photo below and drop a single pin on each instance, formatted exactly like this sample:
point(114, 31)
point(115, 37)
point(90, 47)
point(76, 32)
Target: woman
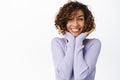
point(74, 55)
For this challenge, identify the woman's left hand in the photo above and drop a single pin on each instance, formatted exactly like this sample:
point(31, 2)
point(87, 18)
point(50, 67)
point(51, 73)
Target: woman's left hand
point(90, 31)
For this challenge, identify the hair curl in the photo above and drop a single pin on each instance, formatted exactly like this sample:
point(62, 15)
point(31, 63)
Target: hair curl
point(65, 12)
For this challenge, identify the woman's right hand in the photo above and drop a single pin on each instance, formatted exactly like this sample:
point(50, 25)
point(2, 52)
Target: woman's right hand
point(69, 37)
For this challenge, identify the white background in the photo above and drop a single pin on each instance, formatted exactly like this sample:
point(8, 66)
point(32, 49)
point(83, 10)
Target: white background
point(26, 30)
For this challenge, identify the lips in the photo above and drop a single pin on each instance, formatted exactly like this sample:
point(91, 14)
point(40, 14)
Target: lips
point(75, 30)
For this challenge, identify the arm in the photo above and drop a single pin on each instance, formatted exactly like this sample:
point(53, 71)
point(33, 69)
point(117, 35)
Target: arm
point(80, 66)
point(92, 51)
point(83, 66)
point(63, 60)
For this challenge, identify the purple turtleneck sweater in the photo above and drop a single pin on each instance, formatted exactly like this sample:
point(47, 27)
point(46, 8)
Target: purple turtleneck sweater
point(75, 57)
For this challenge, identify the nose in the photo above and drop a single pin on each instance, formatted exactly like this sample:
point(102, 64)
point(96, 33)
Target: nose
point(75, 23)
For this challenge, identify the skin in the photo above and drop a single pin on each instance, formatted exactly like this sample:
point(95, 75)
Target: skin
point(76, 23)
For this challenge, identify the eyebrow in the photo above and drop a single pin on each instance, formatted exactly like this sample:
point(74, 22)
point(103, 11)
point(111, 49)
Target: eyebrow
point(81, 16)
point(78, 16)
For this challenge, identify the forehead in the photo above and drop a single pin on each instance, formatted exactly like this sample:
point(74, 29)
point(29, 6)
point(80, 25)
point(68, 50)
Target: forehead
point(77, 13)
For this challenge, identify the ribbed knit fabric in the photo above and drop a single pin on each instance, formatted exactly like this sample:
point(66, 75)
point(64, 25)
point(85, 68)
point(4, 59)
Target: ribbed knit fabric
point(75, 58)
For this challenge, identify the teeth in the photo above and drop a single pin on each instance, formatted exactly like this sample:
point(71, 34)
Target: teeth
point(75, 29)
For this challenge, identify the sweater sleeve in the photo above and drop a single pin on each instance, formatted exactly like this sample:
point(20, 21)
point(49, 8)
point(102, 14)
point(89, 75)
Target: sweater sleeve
point(80, 66)
point(85, 64)
point(63, 60)
point(92, 51)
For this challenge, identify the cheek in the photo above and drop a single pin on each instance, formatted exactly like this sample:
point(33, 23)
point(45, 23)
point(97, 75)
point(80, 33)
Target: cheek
point(82, 24)
point(68, 25)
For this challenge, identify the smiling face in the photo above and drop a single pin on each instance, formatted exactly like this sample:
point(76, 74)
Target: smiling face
point(75, 23)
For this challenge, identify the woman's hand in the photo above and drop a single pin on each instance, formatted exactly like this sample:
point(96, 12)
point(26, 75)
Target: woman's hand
point(90, 31)
point(69, 37)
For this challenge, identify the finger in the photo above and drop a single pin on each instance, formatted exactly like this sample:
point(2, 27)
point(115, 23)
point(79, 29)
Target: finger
point(90, 31)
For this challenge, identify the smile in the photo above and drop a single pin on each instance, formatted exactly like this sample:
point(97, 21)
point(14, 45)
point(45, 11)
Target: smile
point(75, 30)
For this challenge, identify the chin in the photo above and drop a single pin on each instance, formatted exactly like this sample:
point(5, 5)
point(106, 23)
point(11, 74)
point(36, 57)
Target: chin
point(76, 35)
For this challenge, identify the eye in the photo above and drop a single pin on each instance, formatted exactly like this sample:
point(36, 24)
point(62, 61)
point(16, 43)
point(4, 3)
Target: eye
point(80, 18)
point(70, 19)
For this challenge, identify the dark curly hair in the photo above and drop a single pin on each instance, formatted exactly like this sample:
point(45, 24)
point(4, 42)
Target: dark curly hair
point(66, 11)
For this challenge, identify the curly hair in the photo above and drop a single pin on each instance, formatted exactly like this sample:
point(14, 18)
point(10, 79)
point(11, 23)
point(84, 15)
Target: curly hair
point(66, 11)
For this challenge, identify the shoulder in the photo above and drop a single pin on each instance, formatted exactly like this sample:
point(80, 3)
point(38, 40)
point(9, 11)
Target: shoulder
point(58, 41)
point(94, 41)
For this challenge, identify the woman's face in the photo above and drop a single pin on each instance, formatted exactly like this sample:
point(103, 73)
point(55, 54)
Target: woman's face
point(75, 23)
